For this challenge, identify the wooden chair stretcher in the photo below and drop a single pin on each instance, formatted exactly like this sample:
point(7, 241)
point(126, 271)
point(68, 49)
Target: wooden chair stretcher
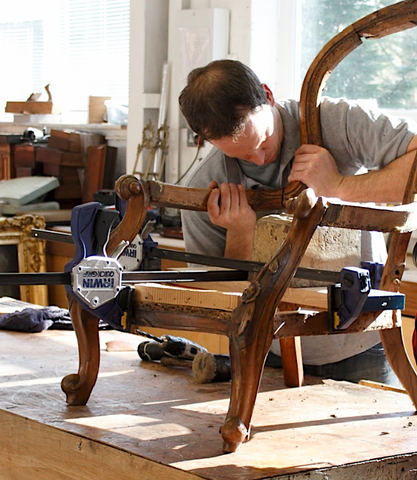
point(258, 316)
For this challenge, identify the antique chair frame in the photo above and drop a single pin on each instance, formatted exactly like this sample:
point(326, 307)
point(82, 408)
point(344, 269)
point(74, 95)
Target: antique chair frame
point(259, 318)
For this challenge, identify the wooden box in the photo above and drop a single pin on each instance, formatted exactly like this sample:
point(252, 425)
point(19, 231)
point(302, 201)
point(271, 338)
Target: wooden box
point(57, 157)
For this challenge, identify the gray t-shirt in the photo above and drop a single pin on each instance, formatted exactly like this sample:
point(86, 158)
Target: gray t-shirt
point(359, 139)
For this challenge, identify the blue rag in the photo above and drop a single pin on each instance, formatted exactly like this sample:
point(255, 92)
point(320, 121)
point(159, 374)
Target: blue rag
point(32, 320)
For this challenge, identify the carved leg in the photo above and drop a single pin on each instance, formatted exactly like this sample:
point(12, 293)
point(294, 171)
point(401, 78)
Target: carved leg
point(253, 320)
point(394, 349)
point(78, 386)
point(391, 339)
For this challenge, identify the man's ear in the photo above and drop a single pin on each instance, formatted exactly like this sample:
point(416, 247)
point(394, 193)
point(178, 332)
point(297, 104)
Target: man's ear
point(269, 94)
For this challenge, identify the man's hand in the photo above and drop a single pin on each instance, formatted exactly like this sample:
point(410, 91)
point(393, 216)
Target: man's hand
point(315, 167)
point(228, 207)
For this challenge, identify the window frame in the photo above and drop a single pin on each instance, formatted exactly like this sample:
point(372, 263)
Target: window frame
point(291, 29)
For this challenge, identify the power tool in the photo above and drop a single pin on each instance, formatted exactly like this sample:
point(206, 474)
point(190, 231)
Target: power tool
point(167, 346)
point(180, 352)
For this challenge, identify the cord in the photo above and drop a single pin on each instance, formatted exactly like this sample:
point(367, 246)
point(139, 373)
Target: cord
point(199, 143)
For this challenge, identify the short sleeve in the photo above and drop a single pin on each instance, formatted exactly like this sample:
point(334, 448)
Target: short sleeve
point(361, 136)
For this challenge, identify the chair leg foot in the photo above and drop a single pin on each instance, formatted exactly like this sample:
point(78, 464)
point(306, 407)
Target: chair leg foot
point(234, 433)
point(78, 386)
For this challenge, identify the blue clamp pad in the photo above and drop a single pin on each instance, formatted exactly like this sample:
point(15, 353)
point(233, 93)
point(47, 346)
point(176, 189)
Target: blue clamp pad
point(375, 270)
point(120, 205)
point(83, 230)
point(355, 288)
point(149, 262)
point(149, 244)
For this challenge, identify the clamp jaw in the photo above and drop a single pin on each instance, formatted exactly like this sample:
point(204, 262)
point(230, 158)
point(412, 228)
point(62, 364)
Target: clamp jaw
point(354, 295)
point(355, 285)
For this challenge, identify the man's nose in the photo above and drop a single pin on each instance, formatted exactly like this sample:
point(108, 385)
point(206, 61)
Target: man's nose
point(258, 157)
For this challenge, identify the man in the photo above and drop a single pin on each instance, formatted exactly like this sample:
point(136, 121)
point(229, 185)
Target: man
point(256, 143)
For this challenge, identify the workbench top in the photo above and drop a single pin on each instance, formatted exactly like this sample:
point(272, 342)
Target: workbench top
point(146, 421)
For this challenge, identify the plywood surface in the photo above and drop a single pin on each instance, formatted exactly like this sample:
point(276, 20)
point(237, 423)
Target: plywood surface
point(146, 421)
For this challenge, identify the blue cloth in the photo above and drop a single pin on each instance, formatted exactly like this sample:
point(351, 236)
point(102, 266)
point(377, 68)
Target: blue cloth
point(32, 320)
point(369, 365)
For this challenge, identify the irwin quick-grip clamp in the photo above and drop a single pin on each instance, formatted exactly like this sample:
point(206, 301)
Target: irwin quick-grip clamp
point(96, 277)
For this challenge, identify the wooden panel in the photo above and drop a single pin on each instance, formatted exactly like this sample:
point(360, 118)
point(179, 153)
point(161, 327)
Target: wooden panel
point(24, 156)
point(60, 142)
point(99, 170)
point(97, 109)
point(83, 459)
point(94, 171)
point(76, 142)
point(192, 297)
point(6, 161)
point(29, 107)
point(26, 172)
point(222, 295)
point(64, 192)
point(57, 157)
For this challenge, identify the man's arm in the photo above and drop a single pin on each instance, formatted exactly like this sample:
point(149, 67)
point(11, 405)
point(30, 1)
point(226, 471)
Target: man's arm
point(228, 208)
point(381, 186)
point(315, 167)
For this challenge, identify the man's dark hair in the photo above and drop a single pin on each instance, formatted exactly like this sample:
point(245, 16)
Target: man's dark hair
point(218, 98)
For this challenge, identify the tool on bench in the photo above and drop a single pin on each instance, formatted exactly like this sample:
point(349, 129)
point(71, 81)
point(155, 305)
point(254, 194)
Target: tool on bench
point(167, 345)
point(174, 351)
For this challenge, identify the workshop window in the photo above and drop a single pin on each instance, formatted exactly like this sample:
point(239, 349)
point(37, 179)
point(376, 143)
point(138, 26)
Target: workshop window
point(79, 47)
point(383, 70)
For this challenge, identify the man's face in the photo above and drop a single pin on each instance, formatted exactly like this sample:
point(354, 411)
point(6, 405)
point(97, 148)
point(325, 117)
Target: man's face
point(260, 142)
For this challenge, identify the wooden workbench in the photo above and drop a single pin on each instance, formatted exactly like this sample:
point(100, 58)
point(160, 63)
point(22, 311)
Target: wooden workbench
point(145, 421)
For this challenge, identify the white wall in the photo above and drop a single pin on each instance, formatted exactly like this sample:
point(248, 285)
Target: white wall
point(148, 52)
